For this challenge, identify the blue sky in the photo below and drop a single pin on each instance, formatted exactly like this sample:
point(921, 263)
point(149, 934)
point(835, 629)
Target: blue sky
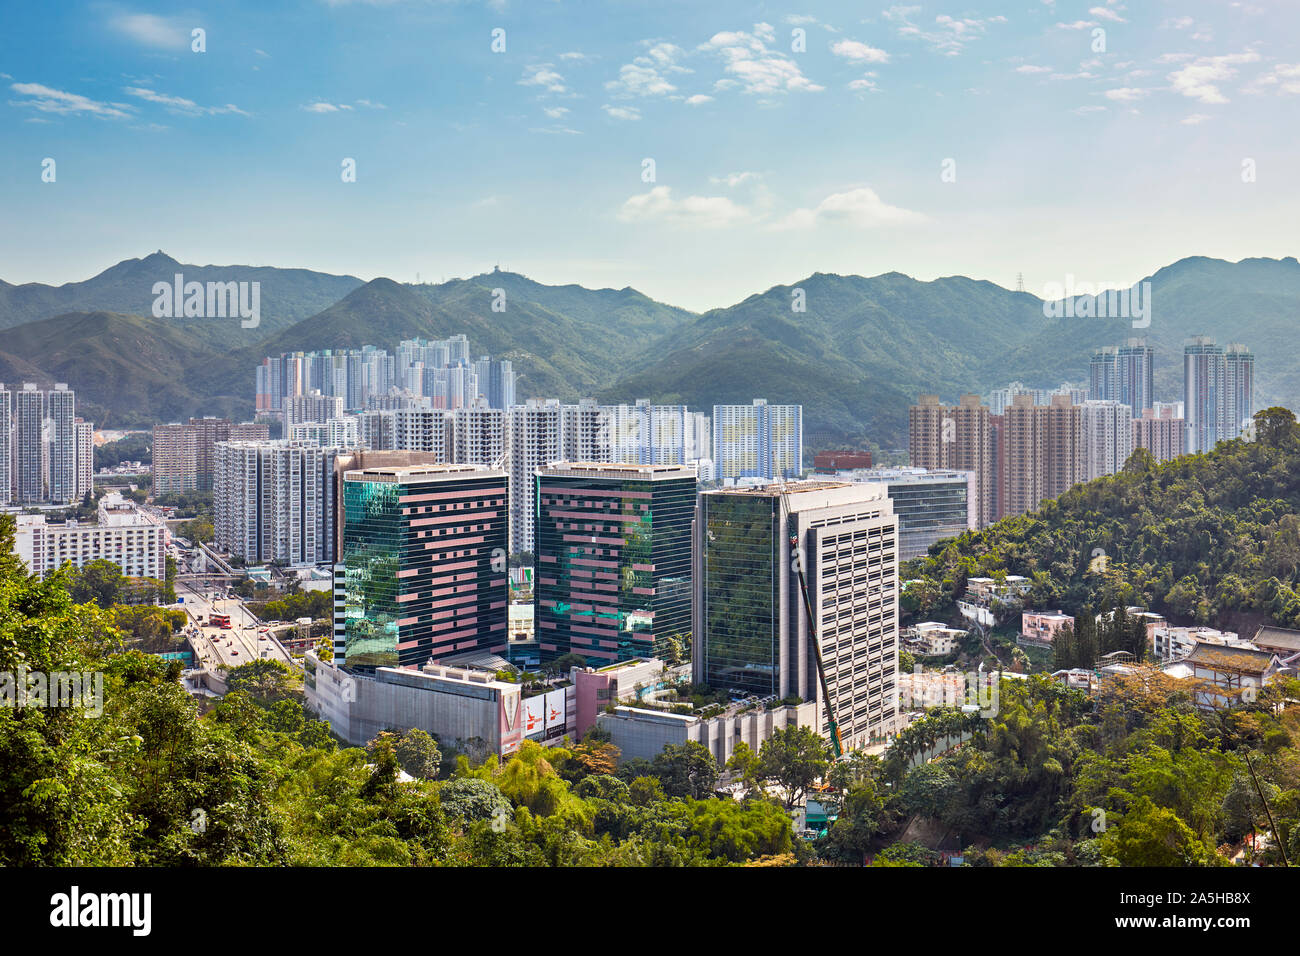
point(770, 162)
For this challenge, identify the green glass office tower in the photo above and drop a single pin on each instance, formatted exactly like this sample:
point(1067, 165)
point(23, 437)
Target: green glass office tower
point(422, 572)
point(613, 576)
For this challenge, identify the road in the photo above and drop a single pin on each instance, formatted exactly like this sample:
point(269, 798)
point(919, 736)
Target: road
point(240, 644)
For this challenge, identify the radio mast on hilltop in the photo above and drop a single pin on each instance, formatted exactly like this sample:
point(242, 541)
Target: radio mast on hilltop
point(1020, 282)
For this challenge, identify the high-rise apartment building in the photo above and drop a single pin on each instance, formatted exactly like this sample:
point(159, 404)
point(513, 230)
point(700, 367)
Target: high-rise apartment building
point(183, 454)
point(61, 413)
point(30, 453)
point(175, 465)
point(6, 445)
point(957, 437)
point(584, 432)
point(1238, 390)
point(85, 459)
point(312, 407)
point(480, 434)
point(1124, 374)
point(1043, 452)
point(422, 570)
point(496, 382)
point(274, 501)
point(42, 440)
point(1218, 392)
point(758, 441)
point(1161, 434)
point(646, 434)
point(1107, 437)
point(410, 429)
point(751, 632)
point(342, 432)
point(542, 431)
point(613, 578)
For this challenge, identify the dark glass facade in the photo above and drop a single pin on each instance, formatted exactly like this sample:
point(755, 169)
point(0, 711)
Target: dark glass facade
point(929, 509)
point(424, 567)
point(738, 607)
point(613, 577)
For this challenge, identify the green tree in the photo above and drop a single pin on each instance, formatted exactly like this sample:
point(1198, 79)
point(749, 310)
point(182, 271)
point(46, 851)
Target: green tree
point(1150, 835)
point(198, 530)
point(795, 758)
point(99, 581)
point(747, 767)
point(265, 680)
point(418, 754)
point(686, 770)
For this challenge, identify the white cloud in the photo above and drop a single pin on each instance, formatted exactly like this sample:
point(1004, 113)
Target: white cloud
point(1077, 25)
point(696, 212)
point(858, 52)
point(1200, 79)
point(1028, 68)
point(543, 75)
point(755, 68)
point(1085, 110)
point(575, 57)
point(159, 32)
point(735, 179)
point(647, 75)
point(555, 112)
point(622, 112)
point(321, 107)
point(45, 99)
point(698, 99)
point(1194, 120)
point(1107, 14)
point(178, 104)
point(371, 105)
point(1284, 76)
point(1126, 94)
point(859, 207)
point(949, 35)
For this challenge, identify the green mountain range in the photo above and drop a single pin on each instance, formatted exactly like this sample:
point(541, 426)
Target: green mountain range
point(287, 296)
point(854, 351)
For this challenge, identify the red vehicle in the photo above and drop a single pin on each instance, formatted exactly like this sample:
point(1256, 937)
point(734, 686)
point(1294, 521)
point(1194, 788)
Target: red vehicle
point(221, 621)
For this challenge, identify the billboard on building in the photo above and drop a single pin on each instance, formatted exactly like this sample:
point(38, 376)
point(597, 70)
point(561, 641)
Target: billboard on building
point(535, 716)
point(555, 710)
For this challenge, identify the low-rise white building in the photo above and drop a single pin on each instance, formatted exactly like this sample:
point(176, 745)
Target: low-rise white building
point(933, 639)
point(1171, 643)
point(132, 539)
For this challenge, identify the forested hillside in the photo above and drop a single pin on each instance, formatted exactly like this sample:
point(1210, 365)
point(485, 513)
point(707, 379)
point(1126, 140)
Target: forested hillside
point(1211, 538)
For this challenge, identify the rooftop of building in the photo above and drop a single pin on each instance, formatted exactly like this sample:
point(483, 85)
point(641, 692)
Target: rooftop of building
point(904, 473)
point(776, 489)
point(1218, 656)
point(1278, 637)
point(413, 473)
point(614, 470)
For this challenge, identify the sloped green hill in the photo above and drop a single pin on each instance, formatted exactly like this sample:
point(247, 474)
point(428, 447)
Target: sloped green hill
point(1211, 539)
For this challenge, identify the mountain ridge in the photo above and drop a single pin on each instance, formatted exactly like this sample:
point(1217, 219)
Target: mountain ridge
point(856, 356)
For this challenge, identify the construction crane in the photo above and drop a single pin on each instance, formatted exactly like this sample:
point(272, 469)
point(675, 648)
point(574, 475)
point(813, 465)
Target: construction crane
point(836, 745)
